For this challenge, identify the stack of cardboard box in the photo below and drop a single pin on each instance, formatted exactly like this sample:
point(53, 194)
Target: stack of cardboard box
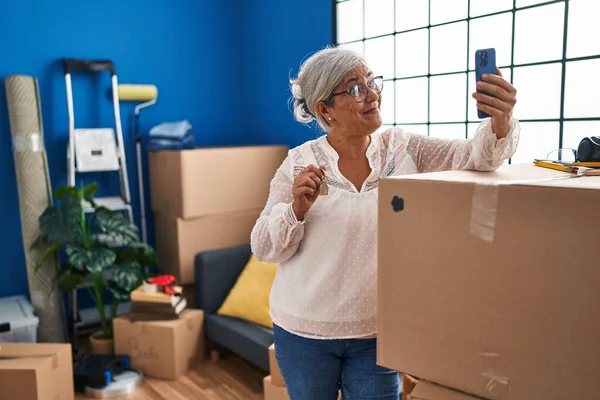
point(496, 277)
point(207, 199)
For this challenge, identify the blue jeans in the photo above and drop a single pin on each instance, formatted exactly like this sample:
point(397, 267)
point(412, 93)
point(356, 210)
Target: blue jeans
point(315, 369)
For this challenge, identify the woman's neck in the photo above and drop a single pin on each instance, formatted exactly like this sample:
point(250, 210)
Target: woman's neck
point(349, 146)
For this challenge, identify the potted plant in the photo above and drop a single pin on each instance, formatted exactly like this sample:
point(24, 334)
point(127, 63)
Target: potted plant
point(101, 250)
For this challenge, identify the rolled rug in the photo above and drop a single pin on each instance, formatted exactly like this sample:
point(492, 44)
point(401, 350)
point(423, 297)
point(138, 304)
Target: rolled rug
point(35, 194)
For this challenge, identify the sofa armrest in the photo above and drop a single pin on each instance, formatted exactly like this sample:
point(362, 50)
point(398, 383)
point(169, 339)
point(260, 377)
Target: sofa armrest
point(216, 272)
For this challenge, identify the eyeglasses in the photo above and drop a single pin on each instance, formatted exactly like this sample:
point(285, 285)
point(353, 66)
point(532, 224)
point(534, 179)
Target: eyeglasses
point(360, 91)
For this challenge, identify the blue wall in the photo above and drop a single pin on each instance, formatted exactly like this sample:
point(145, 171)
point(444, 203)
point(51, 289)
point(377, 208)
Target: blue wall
point(223, 65)
point(283, 34)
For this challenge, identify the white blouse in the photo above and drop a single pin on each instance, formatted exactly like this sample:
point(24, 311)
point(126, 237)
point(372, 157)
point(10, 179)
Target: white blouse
point(325, 286)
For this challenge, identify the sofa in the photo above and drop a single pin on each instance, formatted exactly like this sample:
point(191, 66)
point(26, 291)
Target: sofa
point(216, 272)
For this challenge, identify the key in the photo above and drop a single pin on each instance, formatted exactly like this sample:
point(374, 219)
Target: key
point(323, 188)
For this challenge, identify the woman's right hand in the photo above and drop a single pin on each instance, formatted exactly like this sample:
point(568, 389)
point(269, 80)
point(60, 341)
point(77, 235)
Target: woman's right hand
point(305, 189)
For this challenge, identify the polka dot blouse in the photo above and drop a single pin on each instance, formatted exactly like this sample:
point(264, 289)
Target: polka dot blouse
point(325, 286)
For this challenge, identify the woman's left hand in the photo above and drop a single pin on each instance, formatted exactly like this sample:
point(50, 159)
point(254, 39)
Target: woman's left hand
point(500, 102)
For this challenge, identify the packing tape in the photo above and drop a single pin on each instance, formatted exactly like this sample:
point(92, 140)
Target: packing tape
point(483, 211)
point(484, 204)
point(28, 142)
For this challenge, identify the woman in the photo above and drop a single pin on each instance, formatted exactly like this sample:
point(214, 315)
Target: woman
point(320, 221)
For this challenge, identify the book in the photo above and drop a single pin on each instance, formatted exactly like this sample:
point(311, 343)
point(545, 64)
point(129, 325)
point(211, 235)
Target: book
point(140, 295)
point(159, 308)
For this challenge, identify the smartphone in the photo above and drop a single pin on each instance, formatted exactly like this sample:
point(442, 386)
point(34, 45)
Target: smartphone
point(485, 63)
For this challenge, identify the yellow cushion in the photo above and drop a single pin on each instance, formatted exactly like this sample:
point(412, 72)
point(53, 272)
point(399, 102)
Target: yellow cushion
point(249, 298)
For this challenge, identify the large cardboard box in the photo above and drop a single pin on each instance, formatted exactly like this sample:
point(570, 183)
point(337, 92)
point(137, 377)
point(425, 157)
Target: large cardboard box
point(205, 181)
point(495, 276)
point(276, 378)
point(421, 390)
point(179, 240)
point(162, 349)
point(36, 371)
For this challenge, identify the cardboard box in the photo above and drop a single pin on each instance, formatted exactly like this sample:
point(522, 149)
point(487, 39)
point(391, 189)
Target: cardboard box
point(500, 272)
point(274, 392)
point(276, 378)
point(162, 349)
point(36, 371)
point(421, 390)
point(408, 384)
point(205, 181)
point(179, 240)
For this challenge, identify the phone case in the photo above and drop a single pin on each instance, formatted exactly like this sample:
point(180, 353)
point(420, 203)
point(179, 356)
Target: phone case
point(485, 63)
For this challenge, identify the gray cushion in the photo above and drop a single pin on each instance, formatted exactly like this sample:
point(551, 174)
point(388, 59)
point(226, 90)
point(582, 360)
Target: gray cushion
point(216, 272)
point(246, 339)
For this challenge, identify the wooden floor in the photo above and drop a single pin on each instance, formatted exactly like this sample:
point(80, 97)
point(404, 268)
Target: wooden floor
point(231, 378)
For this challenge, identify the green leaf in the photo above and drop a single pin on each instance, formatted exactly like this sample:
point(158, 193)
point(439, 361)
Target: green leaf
point(65, 192)
point(146, 249)
point(94, 260)
point(50, 251)
point(61, 222)
point(72, 207)
point(118, 293)
point(89, 191)
point(140, 252)
point(69, 280)
point(117, 227)
point(41, 240)
point(58, 225)
point(128, 275)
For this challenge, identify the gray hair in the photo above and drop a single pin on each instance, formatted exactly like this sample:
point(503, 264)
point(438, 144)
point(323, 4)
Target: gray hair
point(317, 79)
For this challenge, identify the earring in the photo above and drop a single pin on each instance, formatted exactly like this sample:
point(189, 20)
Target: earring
point(329, 118)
